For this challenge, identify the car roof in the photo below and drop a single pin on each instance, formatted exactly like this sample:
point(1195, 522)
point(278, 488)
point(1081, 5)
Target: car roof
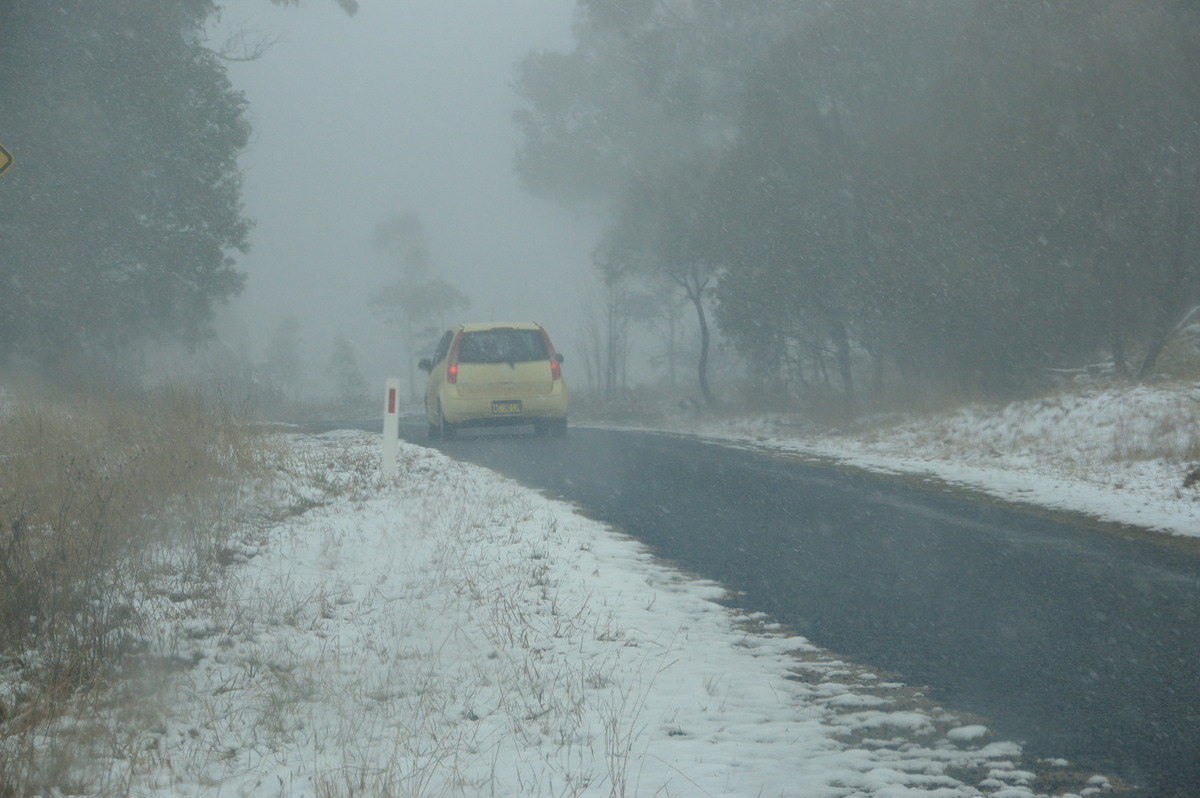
point(512, 325)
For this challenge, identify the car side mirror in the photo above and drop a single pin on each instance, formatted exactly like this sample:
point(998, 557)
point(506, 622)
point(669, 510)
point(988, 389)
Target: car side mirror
point(425, 364)
point(558, 356)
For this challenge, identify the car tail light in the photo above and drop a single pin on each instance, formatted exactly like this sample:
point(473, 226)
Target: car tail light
point(555, 369)
point(452, 360)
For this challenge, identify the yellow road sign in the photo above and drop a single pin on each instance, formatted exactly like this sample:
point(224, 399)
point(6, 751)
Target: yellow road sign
point(5, 160)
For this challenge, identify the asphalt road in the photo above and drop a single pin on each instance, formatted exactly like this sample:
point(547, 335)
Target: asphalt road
point(1081, 643)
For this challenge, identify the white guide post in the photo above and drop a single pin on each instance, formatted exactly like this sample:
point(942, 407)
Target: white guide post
point(391, 426)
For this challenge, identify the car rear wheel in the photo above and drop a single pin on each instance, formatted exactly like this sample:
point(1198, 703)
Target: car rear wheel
point(445, 428)
point(435, 429)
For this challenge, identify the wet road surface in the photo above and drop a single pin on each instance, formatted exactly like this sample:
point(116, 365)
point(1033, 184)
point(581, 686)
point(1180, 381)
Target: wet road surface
point(1081, 643)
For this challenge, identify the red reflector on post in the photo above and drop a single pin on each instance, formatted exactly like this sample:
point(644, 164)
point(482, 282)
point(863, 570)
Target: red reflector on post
point(391, 400)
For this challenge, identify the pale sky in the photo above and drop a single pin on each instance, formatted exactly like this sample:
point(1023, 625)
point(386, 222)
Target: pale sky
point(408, 104)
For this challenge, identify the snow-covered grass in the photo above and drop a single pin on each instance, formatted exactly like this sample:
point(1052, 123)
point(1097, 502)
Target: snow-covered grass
point(91, 488)
point(449, 633)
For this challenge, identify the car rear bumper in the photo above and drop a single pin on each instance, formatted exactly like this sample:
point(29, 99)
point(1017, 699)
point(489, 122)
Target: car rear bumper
point(479, 412)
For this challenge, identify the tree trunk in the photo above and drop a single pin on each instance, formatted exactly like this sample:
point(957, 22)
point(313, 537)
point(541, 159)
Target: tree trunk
point(878, 367)
point(841, 340)
point(1166, 321)
point(1170, 301)
point(672, 350)
point(697, 300)
point(1118, 354)
point(610, 365)
point(1113, 275)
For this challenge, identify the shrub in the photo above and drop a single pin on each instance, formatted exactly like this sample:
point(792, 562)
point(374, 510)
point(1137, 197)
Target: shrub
point(96, 489)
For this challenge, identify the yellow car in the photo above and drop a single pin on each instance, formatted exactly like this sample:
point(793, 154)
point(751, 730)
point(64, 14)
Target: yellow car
point(484, 375)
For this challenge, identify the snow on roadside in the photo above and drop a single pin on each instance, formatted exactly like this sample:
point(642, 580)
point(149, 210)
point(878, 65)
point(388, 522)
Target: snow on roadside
point(454, 634)
point(1116, 454)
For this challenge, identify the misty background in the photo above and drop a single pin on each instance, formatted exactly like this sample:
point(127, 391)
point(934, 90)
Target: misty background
point(734, 204)
point(402, 107)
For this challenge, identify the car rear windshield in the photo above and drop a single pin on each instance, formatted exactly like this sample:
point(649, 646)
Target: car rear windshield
point(502, 346)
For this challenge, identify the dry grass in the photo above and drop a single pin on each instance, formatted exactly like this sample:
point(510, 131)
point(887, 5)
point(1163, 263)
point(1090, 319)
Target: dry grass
point(1170, 434)
point(101, 494)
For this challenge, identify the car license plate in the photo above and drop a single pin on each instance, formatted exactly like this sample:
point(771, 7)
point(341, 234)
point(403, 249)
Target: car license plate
point(512, 408)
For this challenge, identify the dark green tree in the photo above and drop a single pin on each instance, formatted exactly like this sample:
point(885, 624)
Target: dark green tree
point(648, 84)
point(629, 123)
point(968, 192)
point(122, 213)
point(815, 201)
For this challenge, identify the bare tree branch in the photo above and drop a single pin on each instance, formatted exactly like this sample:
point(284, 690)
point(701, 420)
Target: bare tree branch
point(245, 45)
point(349, 6)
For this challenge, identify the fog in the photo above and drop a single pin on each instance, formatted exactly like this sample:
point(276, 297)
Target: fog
point(802, 202)
point(404, 106)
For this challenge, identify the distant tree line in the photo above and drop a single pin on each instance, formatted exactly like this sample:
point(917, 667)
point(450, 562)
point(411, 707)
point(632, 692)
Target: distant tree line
point(868, 195)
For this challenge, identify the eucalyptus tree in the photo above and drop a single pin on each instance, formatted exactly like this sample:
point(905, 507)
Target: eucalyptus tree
point(651, 91)
point(660, 235)
point(1097, 108)
point(649, 83)
point(417, 299)
point(122, 215)
point(819, 196)
point(972, 192)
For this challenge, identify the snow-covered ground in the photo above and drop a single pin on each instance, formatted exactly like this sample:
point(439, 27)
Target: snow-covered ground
point(449, 633)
